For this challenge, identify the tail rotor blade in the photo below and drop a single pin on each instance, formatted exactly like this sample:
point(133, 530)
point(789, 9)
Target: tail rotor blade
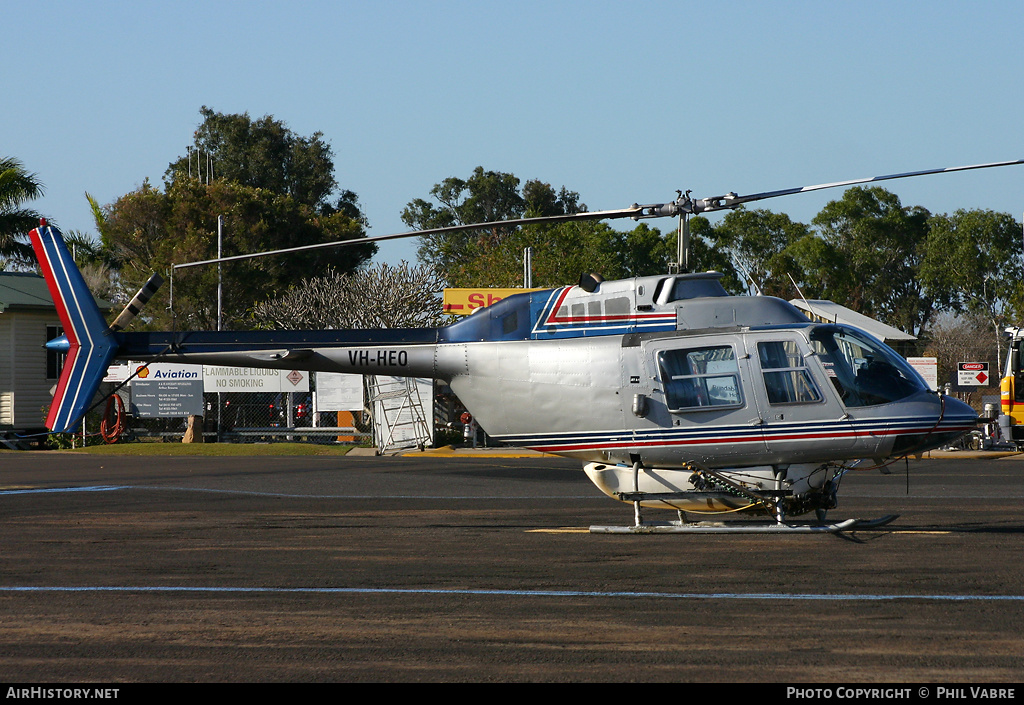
point(138, 301)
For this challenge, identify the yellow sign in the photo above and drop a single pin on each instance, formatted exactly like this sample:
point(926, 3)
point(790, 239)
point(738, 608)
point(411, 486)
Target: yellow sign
point(463, 302)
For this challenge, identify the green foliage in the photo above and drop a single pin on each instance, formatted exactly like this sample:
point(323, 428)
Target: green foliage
point(262, 154)
point(974, 260)
point(973, 265)
point(274, 189)
point(756, 242)
point(866, 255)
point(872, 254)
point(712, 250)
point(561, 252)
point(484, 197)
point(17, 186)
point(872, 258)
point(148, 230)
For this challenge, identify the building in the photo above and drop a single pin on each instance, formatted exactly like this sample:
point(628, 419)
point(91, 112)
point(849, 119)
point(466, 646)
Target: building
point(28, 372)
point(830, 312)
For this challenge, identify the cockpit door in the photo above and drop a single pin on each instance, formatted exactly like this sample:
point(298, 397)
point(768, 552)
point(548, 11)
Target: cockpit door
point(799, 413)
point(698, 405)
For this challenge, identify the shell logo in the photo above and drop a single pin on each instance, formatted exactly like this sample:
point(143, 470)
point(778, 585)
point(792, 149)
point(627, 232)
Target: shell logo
point(142, 372)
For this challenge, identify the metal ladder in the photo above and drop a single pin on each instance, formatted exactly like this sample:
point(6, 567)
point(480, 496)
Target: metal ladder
point(397, 406)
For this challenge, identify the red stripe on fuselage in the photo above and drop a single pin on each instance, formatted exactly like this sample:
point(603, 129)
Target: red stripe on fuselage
point(554, 319)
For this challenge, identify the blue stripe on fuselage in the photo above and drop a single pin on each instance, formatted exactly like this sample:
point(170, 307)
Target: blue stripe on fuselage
point(535, 316)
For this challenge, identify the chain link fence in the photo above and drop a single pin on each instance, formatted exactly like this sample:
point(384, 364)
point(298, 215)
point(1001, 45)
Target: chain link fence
point(274, 417)
point(244, 417)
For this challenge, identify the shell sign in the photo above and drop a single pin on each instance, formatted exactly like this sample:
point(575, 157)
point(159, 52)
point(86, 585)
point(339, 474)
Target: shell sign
point(463, 302)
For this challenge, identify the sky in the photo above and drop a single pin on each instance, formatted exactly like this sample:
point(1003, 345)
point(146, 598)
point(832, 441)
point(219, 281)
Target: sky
point(621, 102)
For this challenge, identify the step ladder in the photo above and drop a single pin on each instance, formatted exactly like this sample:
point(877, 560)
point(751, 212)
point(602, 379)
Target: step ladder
point(399, 419)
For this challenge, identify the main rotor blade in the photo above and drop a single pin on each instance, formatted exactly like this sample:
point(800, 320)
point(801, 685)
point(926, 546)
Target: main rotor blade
point(683, 204)
point(633, 211)
point(731, 200)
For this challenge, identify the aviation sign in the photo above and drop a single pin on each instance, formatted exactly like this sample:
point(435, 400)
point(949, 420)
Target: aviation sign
point(166, 390)
point(972, 374)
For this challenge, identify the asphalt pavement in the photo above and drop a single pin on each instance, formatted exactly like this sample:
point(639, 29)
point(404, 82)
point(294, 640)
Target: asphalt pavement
point(469, 568)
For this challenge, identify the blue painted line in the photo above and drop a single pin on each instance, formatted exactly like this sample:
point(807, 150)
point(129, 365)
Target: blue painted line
point(114, 488)
point(286, 495)
point(46, 490)
point(528, 593)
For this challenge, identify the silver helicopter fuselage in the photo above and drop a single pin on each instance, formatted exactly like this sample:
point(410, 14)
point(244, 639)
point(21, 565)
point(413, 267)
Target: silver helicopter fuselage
point(669, 369)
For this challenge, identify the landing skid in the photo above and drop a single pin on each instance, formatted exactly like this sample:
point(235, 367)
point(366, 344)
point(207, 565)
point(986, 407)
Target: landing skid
point(745, 528)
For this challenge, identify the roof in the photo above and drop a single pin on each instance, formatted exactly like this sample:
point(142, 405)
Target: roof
point(24, 290)
point(831, 312)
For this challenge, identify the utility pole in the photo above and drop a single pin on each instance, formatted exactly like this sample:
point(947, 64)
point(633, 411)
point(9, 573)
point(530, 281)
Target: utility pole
point(220, 279)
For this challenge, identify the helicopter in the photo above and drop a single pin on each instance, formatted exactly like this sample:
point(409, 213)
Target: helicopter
point(672, 393)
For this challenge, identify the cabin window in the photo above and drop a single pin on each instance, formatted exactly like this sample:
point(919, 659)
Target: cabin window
point(786, 379)
point(700, 378)
point(509, 323)
point(54, 359)
point(686, 288)
point(617, 306)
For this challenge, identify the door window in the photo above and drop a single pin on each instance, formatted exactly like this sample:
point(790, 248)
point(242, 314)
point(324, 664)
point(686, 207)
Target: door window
point(700, 378)
point(786, 378)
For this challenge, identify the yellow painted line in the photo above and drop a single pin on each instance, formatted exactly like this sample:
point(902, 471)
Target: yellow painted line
point(449, 452)
point(575, 530)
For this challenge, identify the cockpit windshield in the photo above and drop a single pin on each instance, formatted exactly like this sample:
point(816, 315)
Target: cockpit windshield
point(864, 371)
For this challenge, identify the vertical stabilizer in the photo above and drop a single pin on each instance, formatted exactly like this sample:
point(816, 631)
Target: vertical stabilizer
point(90, 346)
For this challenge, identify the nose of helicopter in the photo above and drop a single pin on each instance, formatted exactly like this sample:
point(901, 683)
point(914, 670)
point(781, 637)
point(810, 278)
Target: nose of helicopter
point(954, 418)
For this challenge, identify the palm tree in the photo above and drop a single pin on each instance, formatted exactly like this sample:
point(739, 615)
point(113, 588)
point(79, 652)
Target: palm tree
point(16, 187)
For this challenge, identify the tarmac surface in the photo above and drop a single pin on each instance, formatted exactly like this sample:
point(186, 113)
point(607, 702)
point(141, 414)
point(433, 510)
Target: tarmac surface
point(473, 568)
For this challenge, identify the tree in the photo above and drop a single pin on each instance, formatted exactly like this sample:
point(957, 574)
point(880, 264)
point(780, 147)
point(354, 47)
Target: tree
point(957, 338)
point(973, 264)
point(402, 296)
point(262, 153)
point(560, 254)
point(561, 251)
point(17, 186)
point(643, 251)
point(275, 189)
point(868, 257)
point(757, 244)
point(484, 197)
point(148, 230)
point(95, 264)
